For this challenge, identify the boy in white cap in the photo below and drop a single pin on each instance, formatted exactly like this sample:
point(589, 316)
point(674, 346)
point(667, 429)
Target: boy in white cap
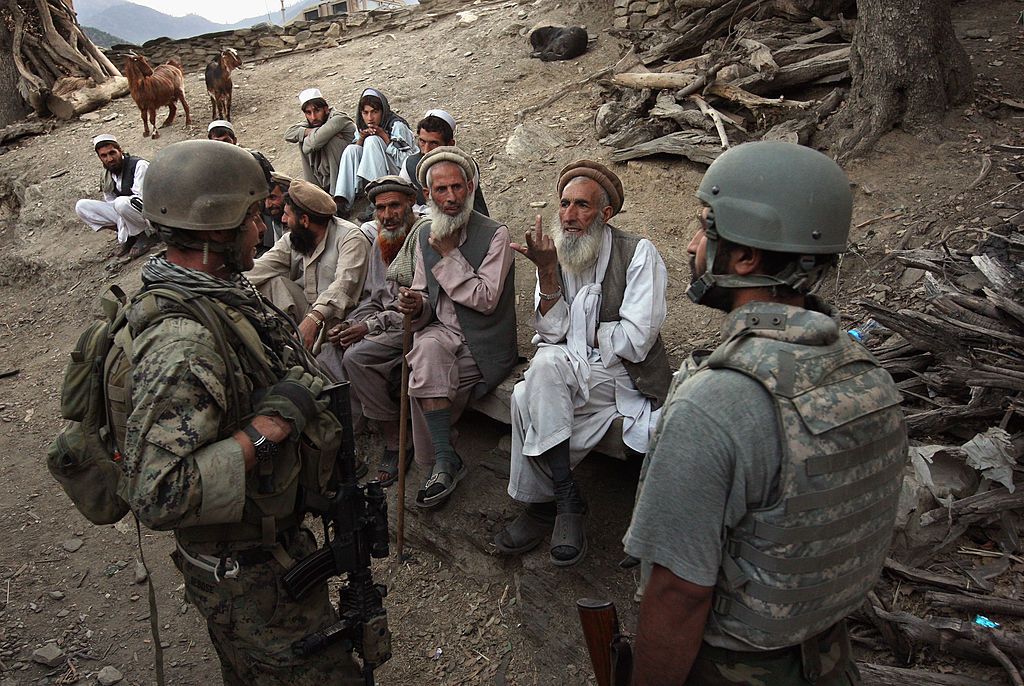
point(322, 139)
point(222, 130)
point(120, 183)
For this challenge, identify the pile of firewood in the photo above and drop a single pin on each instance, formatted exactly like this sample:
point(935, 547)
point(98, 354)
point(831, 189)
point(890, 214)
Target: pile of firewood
point(726, 75)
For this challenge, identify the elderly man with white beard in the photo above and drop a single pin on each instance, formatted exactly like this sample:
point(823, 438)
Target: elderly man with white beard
point(600, 305)
point(462, 301)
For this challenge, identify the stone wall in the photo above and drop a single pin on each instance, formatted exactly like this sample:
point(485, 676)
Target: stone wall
point(261, 41)
point(641, 14)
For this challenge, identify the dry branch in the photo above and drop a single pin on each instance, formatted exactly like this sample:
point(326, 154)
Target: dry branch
point(798, 73)
point(976, 604)
point(698, 147)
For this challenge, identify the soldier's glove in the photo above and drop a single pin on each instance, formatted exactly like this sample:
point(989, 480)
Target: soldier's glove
point(295, 398)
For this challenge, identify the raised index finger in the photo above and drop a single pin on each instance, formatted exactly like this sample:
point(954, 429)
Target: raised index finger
point(538, 228)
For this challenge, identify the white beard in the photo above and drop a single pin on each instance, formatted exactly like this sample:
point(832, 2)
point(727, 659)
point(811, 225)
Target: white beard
point(576, 254)
point(395, 235)
point(443, 225)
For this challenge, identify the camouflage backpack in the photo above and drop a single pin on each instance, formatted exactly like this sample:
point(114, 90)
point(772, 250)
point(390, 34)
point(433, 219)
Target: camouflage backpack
point(96, 395)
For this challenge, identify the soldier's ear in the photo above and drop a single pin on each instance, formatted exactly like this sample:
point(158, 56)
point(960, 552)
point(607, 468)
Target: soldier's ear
point(744, 260)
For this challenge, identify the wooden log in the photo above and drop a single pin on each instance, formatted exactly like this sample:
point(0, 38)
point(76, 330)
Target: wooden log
point(977, 604)
point(732, 92)
point(797, 73)
point(921, 631)
point(989, 502)
point(923, 576)
point(711, 23)
point(693, 145)
point(883, 675)
point(655, 80)
point(799, 129)
point(87, 99)
point(795, 52)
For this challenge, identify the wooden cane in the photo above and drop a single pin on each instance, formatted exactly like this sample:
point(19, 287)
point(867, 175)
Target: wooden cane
point(403, 433)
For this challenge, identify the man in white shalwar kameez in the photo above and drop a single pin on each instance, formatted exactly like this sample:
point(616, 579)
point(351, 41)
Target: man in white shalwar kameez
point(600, 305)
point(122, 179)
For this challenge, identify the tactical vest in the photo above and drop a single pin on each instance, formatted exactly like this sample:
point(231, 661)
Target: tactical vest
point(127, 178)
point(653, 374)
point(796, 567)
point(272, 489)
point(491, 337)
point(411, 162)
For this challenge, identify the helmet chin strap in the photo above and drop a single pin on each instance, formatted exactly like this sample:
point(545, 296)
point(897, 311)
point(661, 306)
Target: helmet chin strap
point(233, 258)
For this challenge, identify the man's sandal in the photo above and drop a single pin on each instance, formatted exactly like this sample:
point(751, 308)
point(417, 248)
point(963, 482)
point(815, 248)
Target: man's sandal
point(440, 476)
point(569, 539)
point(389, 465)
point(527, 530)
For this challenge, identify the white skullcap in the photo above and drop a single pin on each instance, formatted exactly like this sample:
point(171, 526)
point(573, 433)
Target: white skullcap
point(441, 114)
point(220, 123)
point(309, 94)
point(104, 138)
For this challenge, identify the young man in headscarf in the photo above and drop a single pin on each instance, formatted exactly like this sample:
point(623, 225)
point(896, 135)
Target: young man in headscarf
point(384, 142)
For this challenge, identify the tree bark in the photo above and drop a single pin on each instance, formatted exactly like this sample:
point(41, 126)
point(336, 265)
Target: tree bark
point(12, 105)
point(908, 69)
point(87, 99)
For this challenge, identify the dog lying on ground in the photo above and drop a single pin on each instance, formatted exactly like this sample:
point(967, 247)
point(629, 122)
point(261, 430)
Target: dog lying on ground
point(552, 43)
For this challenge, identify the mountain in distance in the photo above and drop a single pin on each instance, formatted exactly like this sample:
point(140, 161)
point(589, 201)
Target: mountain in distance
point(137, 24)
point(102, 38)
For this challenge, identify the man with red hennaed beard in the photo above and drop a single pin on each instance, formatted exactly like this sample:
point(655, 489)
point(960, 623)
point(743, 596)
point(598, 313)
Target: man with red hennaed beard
point(315, 272)
point(122, 180)
point(462, 303)
point(368, 346)
point(322, 138)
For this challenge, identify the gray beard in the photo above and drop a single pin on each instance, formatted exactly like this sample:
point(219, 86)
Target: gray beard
point(576, 254)
point(395, 235)
point(443, 225)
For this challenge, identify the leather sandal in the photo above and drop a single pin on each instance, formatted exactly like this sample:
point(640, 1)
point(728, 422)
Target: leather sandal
point(569, 539)
point(441, 476)
point(527, 530)
point(389, 465)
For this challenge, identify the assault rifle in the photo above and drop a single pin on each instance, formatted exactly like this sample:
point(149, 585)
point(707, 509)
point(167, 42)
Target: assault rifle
point(610, 652)
point(355, 520)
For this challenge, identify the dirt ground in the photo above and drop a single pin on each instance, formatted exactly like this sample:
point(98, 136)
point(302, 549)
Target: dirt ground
point(459, 614)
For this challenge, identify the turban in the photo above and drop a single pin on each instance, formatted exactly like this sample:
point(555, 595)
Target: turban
point(597, 172)
point(445, 153)
point(389, 184)
point(311, 198)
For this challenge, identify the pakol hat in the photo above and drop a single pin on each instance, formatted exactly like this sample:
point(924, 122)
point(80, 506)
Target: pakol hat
point(597, 172)
point(310, 94)
point(445, 153)
point(444, 116)
point(311, 198)
point(389, 184)
point(102, 139)
point(220, 124)
point(282, 180)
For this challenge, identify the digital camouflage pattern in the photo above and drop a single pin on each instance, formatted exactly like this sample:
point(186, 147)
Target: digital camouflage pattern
point(798, 566)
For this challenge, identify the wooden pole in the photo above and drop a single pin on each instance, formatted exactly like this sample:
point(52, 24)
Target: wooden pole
point(403, 433)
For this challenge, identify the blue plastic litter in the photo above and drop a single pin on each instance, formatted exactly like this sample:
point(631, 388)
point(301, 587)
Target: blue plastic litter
point(982, 620)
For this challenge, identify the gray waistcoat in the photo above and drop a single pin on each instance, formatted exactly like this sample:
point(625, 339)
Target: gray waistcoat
point(653, 374)
point(491, 337)
point(107, 184)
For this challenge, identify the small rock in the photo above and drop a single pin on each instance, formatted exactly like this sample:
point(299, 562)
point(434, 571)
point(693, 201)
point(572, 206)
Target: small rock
point(540, 203)
point(140, 572)
point(108, 676)
point(978, 33)
point(62, 614)
point(49, 655)
point(90, 116)
point(911, 276)
point(111, 117)
point(466, 17)
point(56, 595)
point(72, 544)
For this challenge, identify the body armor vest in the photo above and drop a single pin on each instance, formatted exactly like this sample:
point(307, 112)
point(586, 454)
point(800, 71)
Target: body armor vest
point(796, 567)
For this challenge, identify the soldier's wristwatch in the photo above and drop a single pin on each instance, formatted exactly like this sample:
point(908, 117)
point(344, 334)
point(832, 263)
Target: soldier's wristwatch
point(266, 449)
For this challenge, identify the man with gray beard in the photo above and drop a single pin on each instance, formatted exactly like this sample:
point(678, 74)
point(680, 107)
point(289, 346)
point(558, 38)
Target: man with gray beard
point(367, 346)
point(462, 302)
point(600, 305)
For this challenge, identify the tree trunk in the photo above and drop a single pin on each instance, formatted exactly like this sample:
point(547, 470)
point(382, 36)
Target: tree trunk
point(12, 105)
point(87, 99)
point(908, 69)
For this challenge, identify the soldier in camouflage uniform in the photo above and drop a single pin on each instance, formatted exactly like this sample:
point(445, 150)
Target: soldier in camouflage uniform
point(211, 448)
point(767, 501)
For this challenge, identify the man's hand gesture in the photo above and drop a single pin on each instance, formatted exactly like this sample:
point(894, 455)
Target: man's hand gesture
point(539, 249)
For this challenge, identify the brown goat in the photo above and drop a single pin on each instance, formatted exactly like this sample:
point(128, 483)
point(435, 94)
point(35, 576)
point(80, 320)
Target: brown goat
point(218, 83)
point(153, 88)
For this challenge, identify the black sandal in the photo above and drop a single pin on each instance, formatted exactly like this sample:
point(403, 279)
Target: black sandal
point(442, 476)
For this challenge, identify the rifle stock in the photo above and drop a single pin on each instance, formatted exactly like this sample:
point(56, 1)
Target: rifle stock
point(610, 652)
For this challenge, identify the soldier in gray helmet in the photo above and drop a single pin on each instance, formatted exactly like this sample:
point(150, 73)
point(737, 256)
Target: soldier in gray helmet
point(211, 448)
point(766, 504)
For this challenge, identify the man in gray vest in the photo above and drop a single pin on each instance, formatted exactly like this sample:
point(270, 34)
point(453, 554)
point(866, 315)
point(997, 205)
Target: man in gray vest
point(121, 182)
point(462, 302)
point(767, 501)
point(600, 304)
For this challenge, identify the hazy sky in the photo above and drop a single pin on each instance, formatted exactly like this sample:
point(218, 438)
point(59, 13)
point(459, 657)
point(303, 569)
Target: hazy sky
point(222, 11)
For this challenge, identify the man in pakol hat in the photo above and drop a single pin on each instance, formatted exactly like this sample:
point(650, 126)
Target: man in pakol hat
point(322, 139)
point(437, 128)
point(273, 211)
point(121, 181)
point(600, 305)
point(315, 272)
point(462, 300)
point(367, 347)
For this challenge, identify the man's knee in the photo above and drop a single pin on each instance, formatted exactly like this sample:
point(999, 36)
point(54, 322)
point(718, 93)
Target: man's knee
point(352, 152)
point(375, 143)
point(550, 362)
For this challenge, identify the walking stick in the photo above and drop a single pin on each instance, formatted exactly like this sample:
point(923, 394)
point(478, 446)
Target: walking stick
point(403, 433)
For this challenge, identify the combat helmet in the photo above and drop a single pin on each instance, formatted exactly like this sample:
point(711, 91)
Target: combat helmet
point(202, 186)
point(774, 196)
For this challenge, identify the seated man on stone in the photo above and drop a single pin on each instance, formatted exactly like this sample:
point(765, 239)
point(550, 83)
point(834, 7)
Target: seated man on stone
point(437, 128)
point(384, 142)
point(120, 183)
point(367, 347)
point(315, 272)
point(322, 139)
point(462, 301)
point(600, 304)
